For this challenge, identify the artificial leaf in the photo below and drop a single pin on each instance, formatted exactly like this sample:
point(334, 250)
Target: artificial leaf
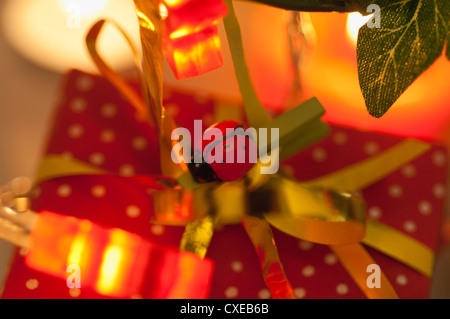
point(390, 58)
point(448, 42)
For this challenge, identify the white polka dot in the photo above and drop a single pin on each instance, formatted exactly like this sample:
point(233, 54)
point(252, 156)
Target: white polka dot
point(67, 155)
point(78, 105)
point(139, 143)
point(109, 110)
point(308, 271)
point(37, 192)
point(409, 226)
point(23, 251)
point(75, 131)
point(401, 280)
point(439, 191)
point(208, 119)
point(97, 158)
point(330, 259)
point(32, 284)
point(305, 245)
point(201, 97)
point(157, 229)
point(133, 211)
point(98, 191)
point(371, 148)
point(438, 158)
point(395, 191)
point(141, 117)
point(288, 170)
point(425, 207)
point(409, 170)
point(74, 292)
point(237, 266)
point(64, 190)
point(107, 136)
point(374, 212)
point(126, 170)
point(340, 138)
point(300, 292)
point(264, 293)
point(172, 109)
point(84, 83)
point(167, 93)
point(231, 292)
point(319, 154)
point(342, 289)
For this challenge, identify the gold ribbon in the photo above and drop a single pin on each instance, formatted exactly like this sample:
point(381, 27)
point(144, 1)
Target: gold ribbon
point(303, 210)
point(355, 260)
point(323, 210)
point(400, 247)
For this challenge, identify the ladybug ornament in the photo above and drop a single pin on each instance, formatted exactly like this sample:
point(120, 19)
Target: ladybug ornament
point(226, 152)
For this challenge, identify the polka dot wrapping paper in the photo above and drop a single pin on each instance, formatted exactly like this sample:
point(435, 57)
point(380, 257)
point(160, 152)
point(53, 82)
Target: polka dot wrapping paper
point(96, 125)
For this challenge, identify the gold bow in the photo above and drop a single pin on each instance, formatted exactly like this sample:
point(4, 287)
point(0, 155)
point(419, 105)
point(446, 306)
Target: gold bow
point(327, 210)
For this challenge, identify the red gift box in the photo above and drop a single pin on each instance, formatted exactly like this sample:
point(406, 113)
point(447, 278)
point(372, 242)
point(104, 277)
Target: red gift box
point(96, 125)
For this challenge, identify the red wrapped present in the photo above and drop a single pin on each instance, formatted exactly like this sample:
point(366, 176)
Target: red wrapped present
point(98, 131)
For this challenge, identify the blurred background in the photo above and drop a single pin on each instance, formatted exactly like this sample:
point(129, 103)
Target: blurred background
point(41, 39)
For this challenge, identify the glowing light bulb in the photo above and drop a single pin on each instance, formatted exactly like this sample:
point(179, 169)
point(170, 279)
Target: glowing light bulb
point(52, 33)
point(355, 20)
point(84, 7)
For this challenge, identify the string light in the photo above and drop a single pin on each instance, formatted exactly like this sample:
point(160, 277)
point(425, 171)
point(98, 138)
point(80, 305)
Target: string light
point(111, 261)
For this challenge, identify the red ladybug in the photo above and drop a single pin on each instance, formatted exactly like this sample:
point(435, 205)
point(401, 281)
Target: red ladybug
point(210, 170)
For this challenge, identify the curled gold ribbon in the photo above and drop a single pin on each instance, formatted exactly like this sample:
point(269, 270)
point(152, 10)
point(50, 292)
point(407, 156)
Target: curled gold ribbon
point(323, 210)
point(114, 78)
point(261, 236)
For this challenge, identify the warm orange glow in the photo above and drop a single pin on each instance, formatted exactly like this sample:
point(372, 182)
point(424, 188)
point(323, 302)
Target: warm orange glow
point(194, 14)
point(85, 7)
point(355, 21)
point(421, 111)
point(174, 3)
point(187, 269)
point(180, 33)
point(52, 33)
point(76, 250)
point(46, 253)
point(191, 40)
point(145, 21)
point(194, 54)
point(163, 11)
point(115, 262)
point(113, 258)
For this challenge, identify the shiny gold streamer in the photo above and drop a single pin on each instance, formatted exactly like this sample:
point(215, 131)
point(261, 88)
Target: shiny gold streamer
point(355, 260)
point(197, 236)
point(54, 166)
point(322, 210)
point(360, 175)
point(151, 39)
point(114, 78)
point(399, 246)
point(313, 213)
point(256, 115)
point(262, 238)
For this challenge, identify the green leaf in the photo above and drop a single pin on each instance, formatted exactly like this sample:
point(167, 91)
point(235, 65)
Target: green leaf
point(390, 58)
point(448, 42)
